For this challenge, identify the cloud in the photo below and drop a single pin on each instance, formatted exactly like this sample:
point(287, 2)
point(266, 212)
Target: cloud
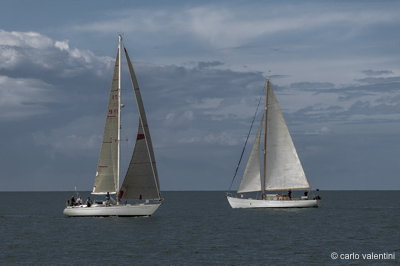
point(383, 83)
point(25, 39)
point(232, 26)
point(31, 51)
point(199, 114)
point(374, 102)
point(23, 98)
point(371, 72)
point(312, 86)
point(219, 139)
point(209, 64)
point(36, 71)
point(82, 135)
point(320, 131)
point(208, 103)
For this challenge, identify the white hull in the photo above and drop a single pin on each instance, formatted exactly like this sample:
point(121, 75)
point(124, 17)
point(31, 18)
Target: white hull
point(144, 209)
point(274, 203)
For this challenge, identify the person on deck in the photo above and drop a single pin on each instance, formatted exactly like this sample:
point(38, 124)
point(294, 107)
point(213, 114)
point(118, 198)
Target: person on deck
point(290, 194)
point(108, 198)
point(72, 201)
point(88, 202)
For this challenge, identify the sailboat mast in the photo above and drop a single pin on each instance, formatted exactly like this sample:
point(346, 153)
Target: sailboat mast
point(265, 140)
point(119, 116)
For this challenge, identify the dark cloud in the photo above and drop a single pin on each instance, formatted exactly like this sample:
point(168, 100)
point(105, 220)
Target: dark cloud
point(312, 86)
point(192, 111)
point(202, 65)
point(371, 72)
point(373, 102)
point(198, 118)
point(381, 81)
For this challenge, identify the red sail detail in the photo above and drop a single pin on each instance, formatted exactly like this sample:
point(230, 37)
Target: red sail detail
point(140, 136)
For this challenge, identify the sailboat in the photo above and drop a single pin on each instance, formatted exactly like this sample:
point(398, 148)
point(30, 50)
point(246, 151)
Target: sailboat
point(140, 185)
point(282, 170)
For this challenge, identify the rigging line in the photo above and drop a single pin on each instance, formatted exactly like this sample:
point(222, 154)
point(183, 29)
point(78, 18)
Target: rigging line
point(245, 143)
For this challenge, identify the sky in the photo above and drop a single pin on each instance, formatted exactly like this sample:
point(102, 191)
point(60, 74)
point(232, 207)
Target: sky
point(201, 66)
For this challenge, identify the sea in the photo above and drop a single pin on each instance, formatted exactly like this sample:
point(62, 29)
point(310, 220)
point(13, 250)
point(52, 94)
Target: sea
point(200, 228)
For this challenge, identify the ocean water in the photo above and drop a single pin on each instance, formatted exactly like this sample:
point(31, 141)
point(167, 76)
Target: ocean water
point(200, 228)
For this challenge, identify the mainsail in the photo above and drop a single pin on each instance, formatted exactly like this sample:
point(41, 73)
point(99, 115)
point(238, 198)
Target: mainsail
point(107, 168)
point(141, 180)
point(282, 166)
point(284, 170)
point(251, 180)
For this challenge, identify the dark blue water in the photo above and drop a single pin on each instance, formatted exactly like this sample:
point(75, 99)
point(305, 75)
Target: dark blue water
point(199, 228)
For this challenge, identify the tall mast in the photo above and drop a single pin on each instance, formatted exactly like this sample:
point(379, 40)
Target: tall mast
point(119, 115)
point(265, 140)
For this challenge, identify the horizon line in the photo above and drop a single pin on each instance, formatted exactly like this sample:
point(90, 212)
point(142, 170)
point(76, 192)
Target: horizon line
point(203, 190)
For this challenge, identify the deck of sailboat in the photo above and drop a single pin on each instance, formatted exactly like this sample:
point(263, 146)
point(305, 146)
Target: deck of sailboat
point(121, 210)
point(271, 203)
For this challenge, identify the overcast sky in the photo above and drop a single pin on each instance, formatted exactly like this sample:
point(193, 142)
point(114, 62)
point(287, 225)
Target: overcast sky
point(335, 67)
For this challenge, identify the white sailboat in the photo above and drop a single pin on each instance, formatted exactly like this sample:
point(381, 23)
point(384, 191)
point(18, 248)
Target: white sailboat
point(282, 169)
point(141, 185)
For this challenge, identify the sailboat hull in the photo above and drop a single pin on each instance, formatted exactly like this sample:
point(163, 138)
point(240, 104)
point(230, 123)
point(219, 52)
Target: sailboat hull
point(127, 210)
point(266, 203)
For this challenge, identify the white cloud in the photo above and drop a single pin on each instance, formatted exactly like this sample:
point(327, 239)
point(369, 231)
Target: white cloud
point(36, 70)
point(19, 49)
point(62, 45)
point(25, 39)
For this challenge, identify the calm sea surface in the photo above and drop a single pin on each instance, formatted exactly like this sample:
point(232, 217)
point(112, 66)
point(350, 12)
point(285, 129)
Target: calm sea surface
point(200, 228)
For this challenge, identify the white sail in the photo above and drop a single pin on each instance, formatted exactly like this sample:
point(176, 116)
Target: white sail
point(107, 168)
point(284, 170)
point(141, 180)
point(251, 180)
